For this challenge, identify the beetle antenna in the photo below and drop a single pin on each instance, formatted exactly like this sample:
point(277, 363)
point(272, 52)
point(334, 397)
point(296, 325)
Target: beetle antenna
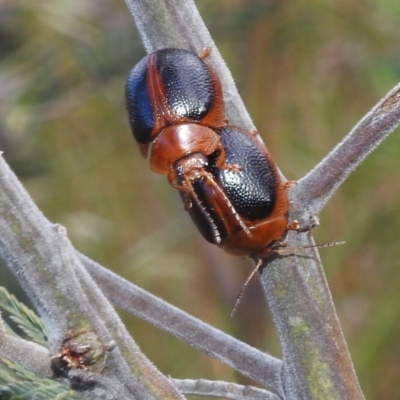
point(285, 251)
point(240, 295)
point(290, 250)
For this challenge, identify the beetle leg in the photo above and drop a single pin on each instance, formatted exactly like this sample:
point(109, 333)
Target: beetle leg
point(205, 52)
point(226, 200)
point(221, 164)
point(182, 187)
point(202, 208)
point(187, 187)
point(289, 184)
point(293, 226)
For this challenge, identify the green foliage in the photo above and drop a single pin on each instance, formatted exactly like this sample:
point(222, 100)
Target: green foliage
point(27, 320)
point(308, 71)
point(16, 383)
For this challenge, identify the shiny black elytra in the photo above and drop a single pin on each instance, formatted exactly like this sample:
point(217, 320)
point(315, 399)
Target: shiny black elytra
point(228, 181)
point(171, 87)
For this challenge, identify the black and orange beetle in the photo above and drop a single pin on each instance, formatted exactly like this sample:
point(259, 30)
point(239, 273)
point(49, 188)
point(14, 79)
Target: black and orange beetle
point(241, 209)
point(227, 179)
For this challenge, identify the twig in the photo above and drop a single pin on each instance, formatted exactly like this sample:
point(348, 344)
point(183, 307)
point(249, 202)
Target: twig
point(30, 355)
point(45, 263)
point(295, 286)
point(251, 362)
point(226, 390)
point(313, 191)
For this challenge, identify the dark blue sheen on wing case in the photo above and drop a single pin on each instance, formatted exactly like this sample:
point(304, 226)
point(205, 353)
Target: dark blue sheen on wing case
point(139, 104)
point(187, 82)
point(252, 189)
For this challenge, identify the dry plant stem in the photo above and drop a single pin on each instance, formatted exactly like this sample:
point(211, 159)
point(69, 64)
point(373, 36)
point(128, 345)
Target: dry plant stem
point(314, 349)
point(138, 363)
point(224, 390)
point(45, 263)
point(314, 190)
point(316, 360)
point(251, 362)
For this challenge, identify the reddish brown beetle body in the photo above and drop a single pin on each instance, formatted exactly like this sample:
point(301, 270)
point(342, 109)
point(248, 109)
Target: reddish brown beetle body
point(251, 198)
point(172, 87)
point(228, 181)
point(178, 141)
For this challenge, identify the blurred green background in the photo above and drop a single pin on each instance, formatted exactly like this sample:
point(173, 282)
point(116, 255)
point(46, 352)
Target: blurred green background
point(307, 71)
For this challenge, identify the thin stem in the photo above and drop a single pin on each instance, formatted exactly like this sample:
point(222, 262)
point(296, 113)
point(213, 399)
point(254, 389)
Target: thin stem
point(31, 356)
point(226, 390)
point(45, 263)
point(312, 341)
point(316, 361)
point(314, 190)
point(253, 363)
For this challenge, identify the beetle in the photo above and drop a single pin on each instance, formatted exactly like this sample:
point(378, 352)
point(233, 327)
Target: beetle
point(171, 87)
point(227, 179)
point(241, 209)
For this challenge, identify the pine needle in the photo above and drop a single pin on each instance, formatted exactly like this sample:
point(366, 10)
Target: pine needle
point(17, 383)
point(27, 320)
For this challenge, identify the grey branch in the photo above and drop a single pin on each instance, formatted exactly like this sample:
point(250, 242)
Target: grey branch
point(45, 263)
point(226, 390)
point(315, 189)
point(30, 355)
point(251, 362)
point(316, 363)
